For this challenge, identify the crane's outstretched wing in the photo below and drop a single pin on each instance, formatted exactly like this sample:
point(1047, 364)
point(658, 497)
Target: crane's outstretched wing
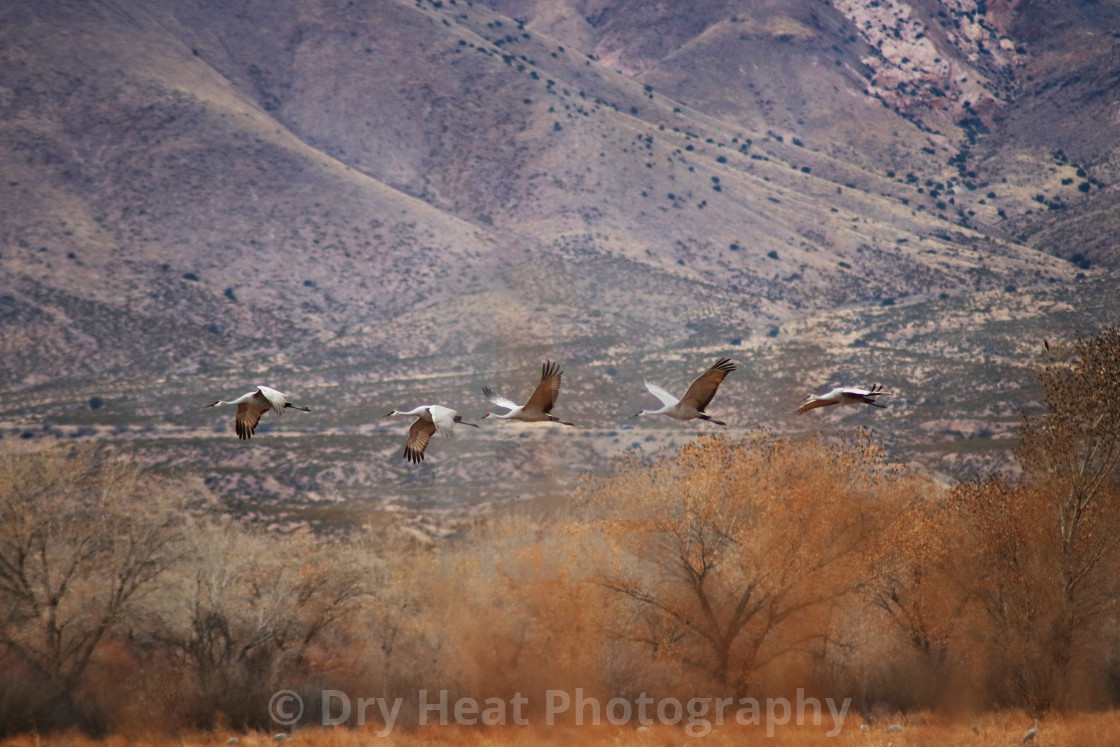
point(812, 403)
point(701, 391)
point(444, 419)
point(544, 396)
point(278, 401)
point(248, 415)
point(866, 396)
point(419, 434)
point(498, 399)
point(666, 399)
point(270, 399)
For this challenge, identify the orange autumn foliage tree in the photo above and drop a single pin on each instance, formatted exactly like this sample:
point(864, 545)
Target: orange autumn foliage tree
point(747, 545)
point(1047, 551)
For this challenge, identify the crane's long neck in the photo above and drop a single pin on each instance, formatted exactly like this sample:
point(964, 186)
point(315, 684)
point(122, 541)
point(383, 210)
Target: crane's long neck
point(421, 410)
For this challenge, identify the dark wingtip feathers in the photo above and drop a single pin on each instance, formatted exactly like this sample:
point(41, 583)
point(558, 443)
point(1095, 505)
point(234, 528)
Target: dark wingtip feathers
point(725, 364)
point(550, 369)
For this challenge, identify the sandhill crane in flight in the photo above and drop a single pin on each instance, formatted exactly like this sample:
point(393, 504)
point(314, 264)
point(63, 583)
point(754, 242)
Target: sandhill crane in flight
point(251, 405)
point(429, 419)
point(539, 407)
point(1030, 734)
point(698, 396)
point(843, 396)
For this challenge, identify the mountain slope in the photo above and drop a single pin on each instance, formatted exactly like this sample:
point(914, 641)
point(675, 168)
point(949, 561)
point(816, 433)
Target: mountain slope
point(262, 160)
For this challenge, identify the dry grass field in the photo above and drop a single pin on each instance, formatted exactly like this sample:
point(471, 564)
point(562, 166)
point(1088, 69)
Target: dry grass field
point(987, 730)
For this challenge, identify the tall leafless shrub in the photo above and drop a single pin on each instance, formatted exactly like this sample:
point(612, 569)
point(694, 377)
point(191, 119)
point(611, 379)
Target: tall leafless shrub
point(83, 537)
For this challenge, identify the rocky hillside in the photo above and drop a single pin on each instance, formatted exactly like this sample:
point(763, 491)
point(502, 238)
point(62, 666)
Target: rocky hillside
point(1000, 104)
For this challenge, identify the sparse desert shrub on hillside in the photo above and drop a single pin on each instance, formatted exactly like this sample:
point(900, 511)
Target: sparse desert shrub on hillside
point(745, 548)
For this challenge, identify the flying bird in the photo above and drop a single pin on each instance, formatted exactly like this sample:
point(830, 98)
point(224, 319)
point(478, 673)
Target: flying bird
point(251, 405)
point(1030, 734)
point(539, 407)
point(698, 396)
point(843, 396)
point(429, 419)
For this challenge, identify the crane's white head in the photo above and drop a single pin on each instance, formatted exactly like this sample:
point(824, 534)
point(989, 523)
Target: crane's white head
point(641, 412)
point(487, 415)
point(392, 413)
point(212, 404)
